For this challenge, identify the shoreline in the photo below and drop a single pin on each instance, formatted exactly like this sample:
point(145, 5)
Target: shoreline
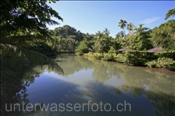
point(153, 69)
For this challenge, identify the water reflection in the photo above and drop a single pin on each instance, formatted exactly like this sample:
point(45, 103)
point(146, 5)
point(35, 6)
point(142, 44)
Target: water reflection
point(108, 72)
point(17, 74)
point(149, 92)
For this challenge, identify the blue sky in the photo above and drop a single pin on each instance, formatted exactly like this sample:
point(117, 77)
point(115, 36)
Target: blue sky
point(93, 16)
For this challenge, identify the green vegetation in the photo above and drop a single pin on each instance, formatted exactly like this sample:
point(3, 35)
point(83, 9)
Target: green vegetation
point(162, 63)
point(164, 35)
point(163, 60)
point(139, 39)
point(25, 43)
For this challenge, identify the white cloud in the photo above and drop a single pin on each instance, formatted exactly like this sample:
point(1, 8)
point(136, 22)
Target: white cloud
point(150, 20)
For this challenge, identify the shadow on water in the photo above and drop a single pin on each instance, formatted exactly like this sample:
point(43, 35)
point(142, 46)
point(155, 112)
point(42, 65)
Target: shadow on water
point(17, 74)
point(142, 102)
point(149, 92)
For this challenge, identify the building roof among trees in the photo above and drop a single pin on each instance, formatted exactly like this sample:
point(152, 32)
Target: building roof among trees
point(156, 49)
point(124, 49)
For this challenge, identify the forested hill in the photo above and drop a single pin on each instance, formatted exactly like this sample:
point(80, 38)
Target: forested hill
point(69, 39)
point(66, 31)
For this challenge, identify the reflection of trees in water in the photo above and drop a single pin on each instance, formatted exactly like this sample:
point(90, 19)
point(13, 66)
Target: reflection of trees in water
point(135, 76)
point(164, 104)
point(153, 81)
point(71, 63)
point(157, 86)
point(100, 72)
point(13, 81)
point(17, 74)
point(132, 76)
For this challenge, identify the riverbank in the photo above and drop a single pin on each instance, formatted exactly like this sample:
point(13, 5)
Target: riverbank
point(142, 59)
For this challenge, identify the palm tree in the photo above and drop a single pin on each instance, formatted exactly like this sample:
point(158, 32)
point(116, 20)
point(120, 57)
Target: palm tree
point(170, 13)
point(120, 34)
point(141, 29)
point(98, 35)
point(122, 24)
point(106, 32)
point(130, 27)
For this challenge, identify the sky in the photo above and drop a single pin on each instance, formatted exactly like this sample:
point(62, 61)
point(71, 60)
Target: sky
point(93, 16)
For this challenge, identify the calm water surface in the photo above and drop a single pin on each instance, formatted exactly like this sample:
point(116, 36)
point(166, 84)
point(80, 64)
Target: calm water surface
point(149, 92)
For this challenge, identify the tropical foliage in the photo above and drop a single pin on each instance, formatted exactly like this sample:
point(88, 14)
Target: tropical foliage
point(27, 42)
point(139, 39)
point(164, 35)
point(24, 44)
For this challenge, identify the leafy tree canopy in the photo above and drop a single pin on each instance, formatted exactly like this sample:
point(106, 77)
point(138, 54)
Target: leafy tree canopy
point(164, 35)
point(26, 16)
point(170, 13)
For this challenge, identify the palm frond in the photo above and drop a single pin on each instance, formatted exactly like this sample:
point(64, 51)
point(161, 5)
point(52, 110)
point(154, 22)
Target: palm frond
point(40, 59)
point(170, 13)
point(35, 58)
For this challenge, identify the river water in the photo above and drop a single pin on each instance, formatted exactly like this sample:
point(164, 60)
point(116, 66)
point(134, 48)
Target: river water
point(90, 87)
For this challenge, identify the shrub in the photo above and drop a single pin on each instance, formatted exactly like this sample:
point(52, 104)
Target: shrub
point(79, 53)
point(90, 53)
point(108, 57)
point(163, 62)
point(151, 64)
point(111, 50)
point(98, 56)
point(82, 48)
point(167, 54)
point(135, 58)
point(119, 58)
point(168, 63)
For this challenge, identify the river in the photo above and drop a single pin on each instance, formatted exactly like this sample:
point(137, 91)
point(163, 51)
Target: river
point(92, 87)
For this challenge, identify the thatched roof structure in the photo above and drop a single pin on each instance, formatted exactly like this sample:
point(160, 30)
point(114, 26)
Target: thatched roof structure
point(124, 49)
point(156, 49)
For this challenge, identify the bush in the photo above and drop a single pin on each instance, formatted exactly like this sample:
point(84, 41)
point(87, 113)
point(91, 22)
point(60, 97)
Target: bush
point(168, 63)
point(90, 53)
point(111, 50)
point(82, 48)
point(79, 53)
point(163, 62)
point(119, 58)
point(135, 58)
point(167, 54)
point(108, 57)
point(151, 64)
point(98, 56)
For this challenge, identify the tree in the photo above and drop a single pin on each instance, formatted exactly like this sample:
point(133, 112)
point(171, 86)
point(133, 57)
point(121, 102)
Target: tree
point(141, 40)
point(23, 26)
point(122, 25)
point(98, 35)
point(130, 27)
point(141, 29)
point(27, 17)
point(117, 43)
point(106, 32)
point(164, 35)
point(72, 43)
point(112, 50)
point(170, 13)
point(105, 43)
point(82, 47)
point(120, 34)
